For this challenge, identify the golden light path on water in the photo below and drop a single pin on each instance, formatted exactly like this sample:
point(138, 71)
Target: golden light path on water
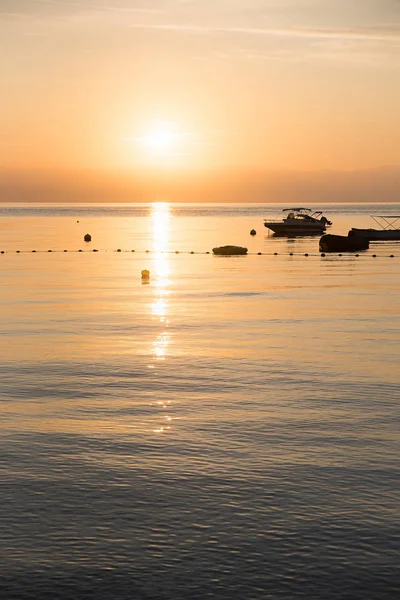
point(160, 281)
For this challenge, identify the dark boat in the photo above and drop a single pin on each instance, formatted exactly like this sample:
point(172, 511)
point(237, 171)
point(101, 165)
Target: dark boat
point(299, 221)
point(342, 243)
point(389, 229)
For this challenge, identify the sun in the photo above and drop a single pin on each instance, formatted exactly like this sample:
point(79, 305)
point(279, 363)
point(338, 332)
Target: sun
point(165, 144)
point(161, 137)
point(159, 140)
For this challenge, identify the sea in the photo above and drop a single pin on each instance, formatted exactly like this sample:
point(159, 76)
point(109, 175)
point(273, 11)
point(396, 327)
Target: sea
point(225, 429)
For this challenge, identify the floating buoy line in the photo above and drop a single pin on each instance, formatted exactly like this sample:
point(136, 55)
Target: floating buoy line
point(158, 252)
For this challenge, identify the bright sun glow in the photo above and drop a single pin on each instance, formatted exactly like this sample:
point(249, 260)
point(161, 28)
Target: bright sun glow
point(164, 143)
point(162, 137)
point(160, 140)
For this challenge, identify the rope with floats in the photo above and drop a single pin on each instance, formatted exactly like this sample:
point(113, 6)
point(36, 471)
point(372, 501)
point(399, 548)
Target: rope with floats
point(201, 253)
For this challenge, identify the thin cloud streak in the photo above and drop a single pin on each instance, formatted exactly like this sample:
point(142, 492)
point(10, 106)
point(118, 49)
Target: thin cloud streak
point(366, 34)
point(100, 8)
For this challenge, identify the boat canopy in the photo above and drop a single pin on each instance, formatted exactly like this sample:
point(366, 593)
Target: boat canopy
point(296, 209)
point(387, 221)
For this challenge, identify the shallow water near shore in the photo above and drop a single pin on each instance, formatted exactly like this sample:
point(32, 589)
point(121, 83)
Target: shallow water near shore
point(227, 430)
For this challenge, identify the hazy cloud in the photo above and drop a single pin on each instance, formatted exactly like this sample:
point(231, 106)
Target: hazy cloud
point(379, 33)
point(47, 7)
point(84, 5)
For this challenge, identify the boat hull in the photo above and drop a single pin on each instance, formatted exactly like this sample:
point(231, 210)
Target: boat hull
point(342, 243)
point(376, 234)
point(282, 228)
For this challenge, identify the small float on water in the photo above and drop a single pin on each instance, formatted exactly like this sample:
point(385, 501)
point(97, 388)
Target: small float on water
point(342, 243)
point(229, 250)
point(389, 229)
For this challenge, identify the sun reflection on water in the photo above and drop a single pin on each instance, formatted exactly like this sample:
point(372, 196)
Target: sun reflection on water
point(161, 228)
point(161, 260)
point(160, 305)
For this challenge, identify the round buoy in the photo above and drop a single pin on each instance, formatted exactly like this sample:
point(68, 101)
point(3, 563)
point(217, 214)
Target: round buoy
point(132, 251)
point(290, 253)
point(65, 250)
point(323, 254)
point(207, 253)
point(33, 250)
point(275, 254)
point(87, 237)
point(18, 251)
point(192, 252)
point(391, 256)
point(77, 221)
point(306, 254)
point(357, 255)
point(2, 252)
point(79, 250)
point(147, 250)
point(340, 254)
point(94, 250)
point(259, 253)
point(176, 251)
point(145, 274)
point(253, 232)
point(119, 250)
point(374, 256)
point(49, 250)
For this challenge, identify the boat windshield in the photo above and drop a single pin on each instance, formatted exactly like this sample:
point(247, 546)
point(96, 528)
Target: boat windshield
point(296, 210)
point(302, 217)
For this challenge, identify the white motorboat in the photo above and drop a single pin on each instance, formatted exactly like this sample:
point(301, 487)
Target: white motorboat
point(389, 229)
point(299, 221)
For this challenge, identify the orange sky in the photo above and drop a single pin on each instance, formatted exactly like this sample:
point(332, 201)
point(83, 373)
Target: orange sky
point(175, 88)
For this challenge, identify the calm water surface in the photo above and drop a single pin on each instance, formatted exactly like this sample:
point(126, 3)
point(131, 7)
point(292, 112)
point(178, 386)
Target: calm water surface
point(227, 431)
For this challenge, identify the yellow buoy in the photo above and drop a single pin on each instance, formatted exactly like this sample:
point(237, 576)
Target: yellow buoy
point(145, 274)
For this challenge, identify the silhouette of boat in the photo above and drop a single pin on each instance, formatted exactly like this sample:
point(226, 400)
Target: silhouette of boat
point(342, 243)
point(299, 221)
point(389, 229)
